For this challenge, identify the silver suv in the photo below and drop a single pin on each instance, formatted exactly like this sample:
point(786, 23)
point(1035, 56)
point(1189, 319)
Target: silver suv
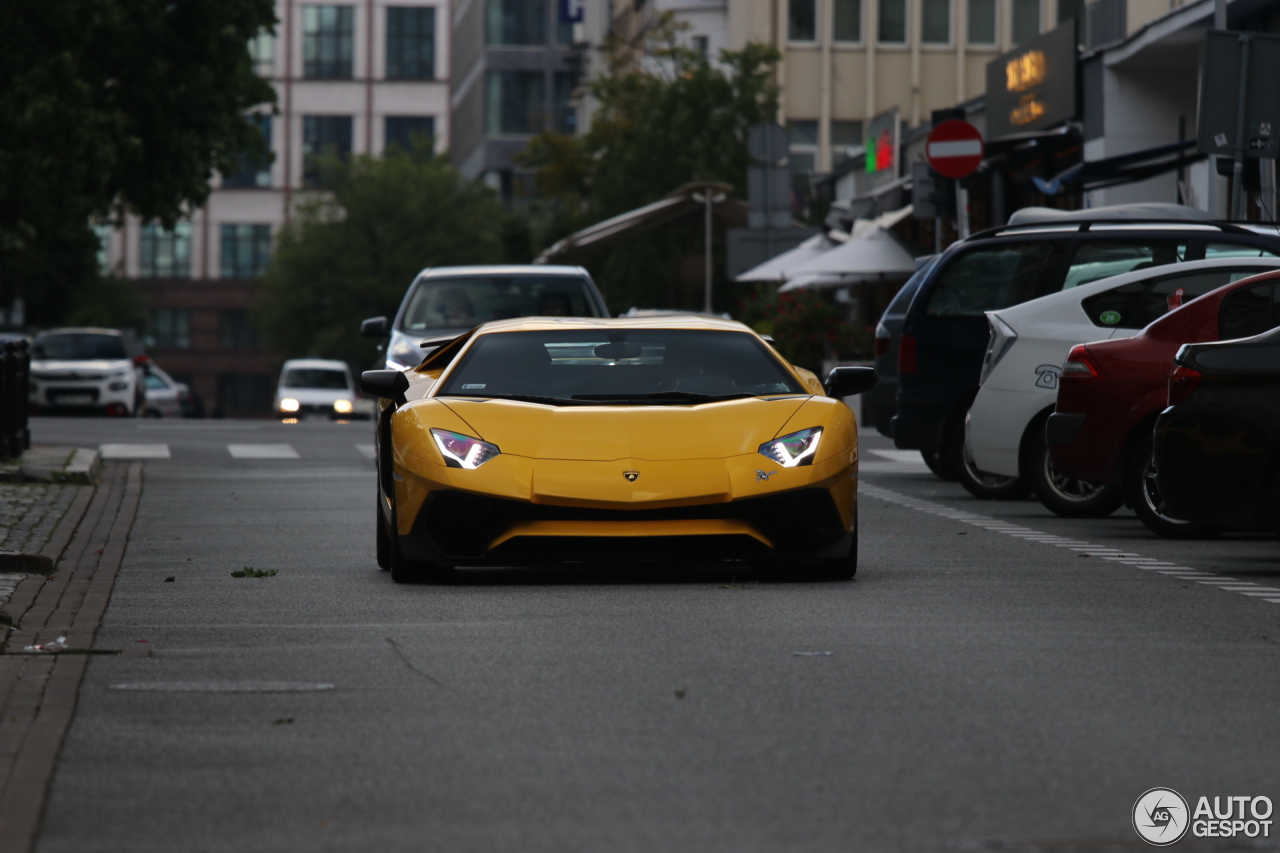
point(85, 370)
point(444, 302)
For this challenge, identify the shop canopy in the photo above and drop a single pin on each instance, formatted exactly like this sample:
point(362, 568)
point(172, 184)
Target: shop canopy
point(1123, 168)
point(874, 255)
point(779, 268)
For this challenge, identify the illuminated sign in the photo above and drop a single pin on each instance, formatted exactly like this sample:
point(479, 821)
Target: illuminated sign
point(1033, 87)
point(882, 143)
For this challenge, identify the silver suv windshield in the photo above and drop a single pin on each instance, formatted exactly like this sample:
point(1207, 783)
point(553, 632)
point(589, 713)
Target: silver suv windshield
point(466, 301)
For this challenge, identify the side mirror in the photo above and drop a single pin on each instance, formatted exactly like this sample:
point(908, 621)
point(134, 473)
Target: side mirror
point(387, 384)
point(848, 381)
point(374, 327)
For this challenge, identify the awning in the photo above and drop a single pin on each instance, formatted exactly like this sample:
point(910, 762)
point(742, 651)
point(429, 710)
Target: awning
point(680, 203)
point(1122, 169)
point(779, 268)
point(872, 256)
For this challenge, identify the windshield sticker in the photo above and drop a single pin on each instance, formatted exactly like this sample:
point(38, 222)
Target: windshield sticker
point(474, 387)
point(1110, 317)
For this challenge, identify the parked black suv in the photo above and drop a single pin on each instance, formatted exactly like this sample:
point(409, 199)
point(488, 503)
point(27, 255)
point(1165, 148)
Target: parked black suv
point(944, 334)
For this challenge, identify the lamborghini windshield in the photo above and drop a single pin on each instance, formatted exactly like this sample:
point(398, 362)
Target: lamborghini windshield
point(619, 367)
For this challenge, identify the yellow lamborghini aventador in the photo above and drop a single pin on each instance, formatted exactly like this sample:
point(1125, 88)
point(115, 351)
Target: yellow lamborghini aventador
point(596, 440)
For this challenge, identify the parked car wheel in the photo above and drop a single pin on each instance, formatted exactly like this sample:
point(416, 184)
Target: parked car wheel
point(980, 484)
point(1140, 483)
point(931, 459)
point(1068, 496)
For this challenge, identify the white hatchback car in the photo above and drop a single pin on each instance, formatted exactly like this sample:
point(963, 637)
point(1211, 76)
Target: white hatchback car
point(1004, 430)
point(318, 387)
point(84, 370)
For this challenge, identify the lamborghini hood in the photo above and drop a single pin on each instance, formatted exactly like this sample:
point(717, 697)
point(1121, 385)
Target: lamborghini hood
point(602, 433)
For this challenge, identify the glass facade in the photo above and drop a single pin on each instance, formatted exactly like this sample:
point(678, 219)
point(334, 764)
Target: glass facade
point(1026, 20)
point(516, 21)
point(323, 135)
point(563, 116)
point(515, 102)
point(328, 41)
point(401, 130)
point(234, 331)
point(893, 22)
point(982, 21)
point(802, 20)
point(164, 254)
point(411, 42)
point(253, 170)
point(262, 50)
point(171, 328)
point(245, 250)
point(848, 20)
point(935, 21)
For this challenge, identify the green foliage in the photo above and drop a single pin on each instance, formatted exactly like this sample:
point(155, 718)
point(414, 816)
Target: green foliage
point(665, 116)
point(108, 301)
point(805, 327)
point(251, 572)
point(106, 107)
point(351, 252)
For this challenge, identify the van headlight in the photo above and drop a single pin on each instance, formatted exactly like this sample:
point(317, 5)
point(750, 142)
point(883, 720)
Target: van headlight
point(342, 407)
point(794, 450)
point(288, 404)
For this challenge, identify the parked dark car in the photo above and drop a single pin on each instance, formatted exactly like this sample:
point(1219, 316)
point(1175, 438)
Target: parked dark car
point(945, 332)
point(879, 403)
point(1217, 446)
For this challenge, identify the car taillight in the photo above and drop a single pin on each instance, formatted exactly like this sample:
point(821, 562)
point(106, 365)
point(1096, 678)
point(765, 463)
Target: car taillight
point(1080, 364)
point(907, 355)
point(1182, 382)
point(882, 340)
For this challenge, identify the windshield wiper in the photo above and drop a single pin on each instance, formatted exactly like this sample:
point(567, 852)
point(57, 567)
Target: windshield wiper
point(661, 397)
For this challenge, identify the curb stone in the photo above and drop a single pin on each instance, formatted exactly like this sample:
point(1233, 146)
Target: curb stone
point(79, 466)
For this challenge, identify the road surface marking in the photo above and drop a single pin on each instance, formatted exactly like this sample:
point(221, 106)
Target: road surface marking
point(262, 451)
point(1111, 555)
point(367, 450)
point(133, 451)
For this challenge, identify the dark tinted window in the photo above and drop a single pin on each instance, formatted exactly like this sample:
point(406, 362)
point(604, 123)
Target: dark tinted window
point(1098, 259)
point(1235, 250)
point(1249, 311)
point(315, 377)
point(1139, 303)
point(995, 277)
point(902, 299)
point(1247, 359)
point(460, 303)
point(658, 365)
point(78, 347)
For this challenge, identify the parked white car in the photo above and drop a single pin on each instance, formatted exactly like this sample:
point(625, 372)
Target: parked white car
point(319, 387)
point(166, 396)
point(84, 370)
point(1004, 431)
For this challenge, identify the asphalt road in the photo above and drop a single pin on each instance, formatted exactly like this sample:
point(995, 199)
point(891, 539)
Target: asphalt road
point(987, 687)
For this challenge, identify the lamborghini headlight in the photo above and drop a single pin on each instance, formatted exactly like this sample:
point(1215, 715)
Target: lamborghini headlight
point(463, 451)
point(792, 451)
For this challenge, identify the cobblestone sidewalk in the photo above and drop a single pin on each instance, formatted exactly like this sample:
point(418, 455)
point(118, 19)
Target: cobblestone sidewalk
point(28, 514)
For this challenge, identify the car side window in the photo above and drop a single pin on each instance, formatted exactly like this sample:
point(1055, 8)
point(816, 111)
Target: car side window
point(1249, 311)
point(1140, 303)
point(1098, 259)
point(995, 277)
point(155, 383)
point(1235, 250)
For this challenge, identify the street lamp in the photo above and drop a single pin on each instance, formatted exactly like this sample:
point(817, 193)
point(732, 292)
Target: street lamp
point(708, 199)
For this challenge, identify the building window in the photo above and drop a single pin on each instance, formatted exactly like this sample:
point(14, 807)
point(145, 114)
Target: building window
point(323, 135)
point(252, 169)
point(893, 22)
point(262, 50)
point(234, 331)
point(103, 232)
point(848, 20)
point(328, 40)
point(165, 254)
point(243, 395)
point(701, 45)
point(982, 21)
point(844, 136)
point(564, 117)
point(405, 130)
point(515, 102)
point(1026, 20)
point(802, 20)
point(802, 146)
point(411, 42)
point(245, 250)
point(516, 21)
point(935, 21)
point(171, 328)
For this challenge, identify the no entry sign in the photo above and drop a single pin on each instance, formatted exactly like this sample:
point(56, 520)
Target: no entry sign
point(954, 149)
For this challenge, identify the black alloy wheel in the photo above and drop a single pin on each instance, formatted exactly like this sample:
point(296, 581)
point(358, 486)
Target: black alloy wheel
point(1067, 496)
point(1140, 482)
point(935, 465)
point(984, 486)
point(836, 568)
point(384, 540)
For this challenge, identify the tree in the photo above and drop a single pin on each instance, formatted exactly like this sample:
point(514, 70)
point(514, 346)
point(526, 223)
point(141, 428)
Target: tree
point(666, 116)
point(351, 251)
point(108, 106)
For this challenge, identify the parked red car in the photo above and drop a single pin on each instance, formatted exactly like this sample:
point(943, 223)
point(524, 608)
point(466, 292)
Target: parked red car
point(1110, 393)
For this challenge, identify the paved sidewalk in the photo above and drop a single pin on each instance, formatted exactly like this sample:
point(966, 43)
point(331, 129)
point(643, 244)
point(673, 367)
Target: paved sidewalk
point(29, 512)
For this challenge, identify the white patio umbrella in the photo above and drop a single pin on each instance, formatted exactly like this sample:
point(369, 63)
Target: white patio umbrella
point(874, 255)
point(780, 267)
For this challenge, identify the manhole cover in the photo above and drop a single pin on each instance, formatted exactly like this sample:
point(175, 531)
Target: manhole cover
point(223, 686)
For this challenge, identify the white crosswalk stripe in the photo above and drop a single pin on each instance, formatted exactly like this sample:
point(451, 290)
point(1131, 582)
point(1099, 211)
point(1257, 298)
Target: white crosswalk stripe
point(133, 451)
point(368, 451)
point(262, 451)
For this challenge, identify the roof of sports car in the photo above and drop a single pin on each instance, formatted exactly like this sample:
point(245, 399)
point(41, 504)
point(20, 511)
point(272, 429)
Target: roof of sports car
point(673, 321)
